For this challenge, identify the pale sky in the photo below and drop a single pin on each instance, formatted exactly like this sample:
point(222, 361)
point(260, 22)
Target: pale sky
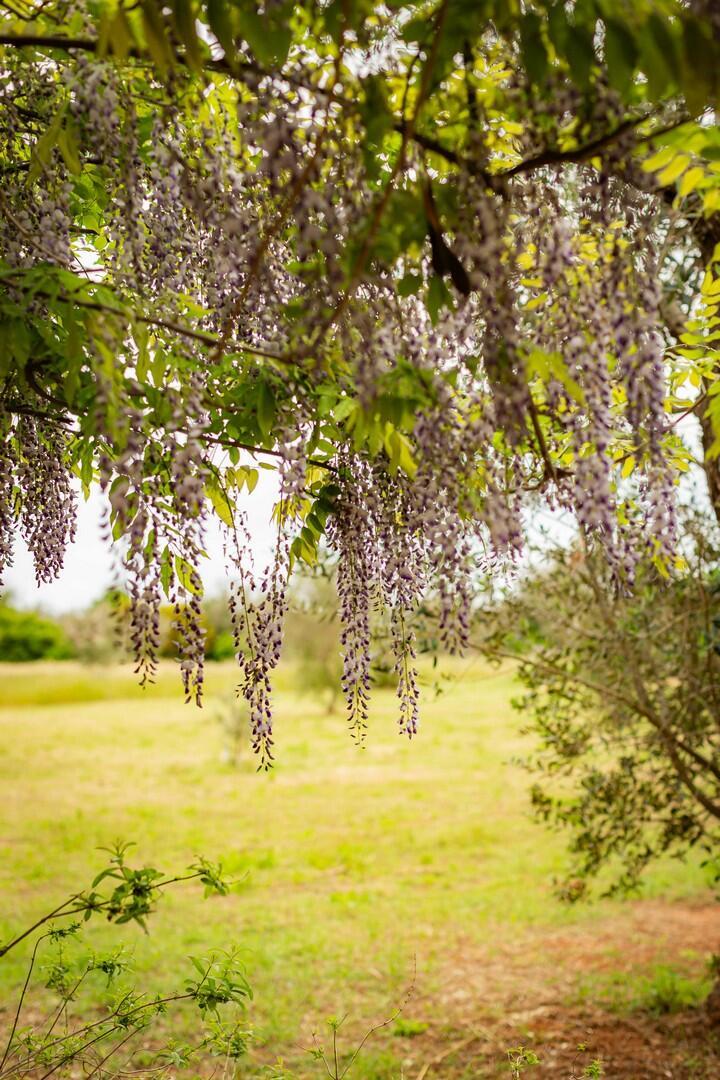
point(88, 569)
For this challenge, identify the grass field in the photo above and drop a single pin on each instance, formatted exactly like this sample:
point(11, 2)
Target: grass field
point(356, 866)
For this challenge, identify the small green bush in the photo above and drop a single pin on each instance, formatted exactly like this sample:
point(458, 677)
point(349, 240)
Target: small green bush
point(25, 635)
point(409, 1029)
point(661, 991)
point(668, 991)
point(222, 647)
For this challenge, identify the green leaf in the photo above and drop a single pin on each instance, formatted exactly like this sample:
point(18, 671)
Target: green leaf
point(558, 27)
point(156, 39)
point(399, 451)
point(699, 68)
point(691, 180)
point(659, 160)
point(416, 30)
point(675, 169)
point(184, 17)
point(166, 571)
point(40, 157)
point(267, 36)
point(580, 55)
point(17, 340)
point(621, 54)
point(187, 576)
point(73, 355)
point(437, 297)
point(409, 285)
point(378, 121)
point(67, 141)
point(266, 409)
point(533, 47)
point(220, 22)
point(657, 54)
point(342, 15)
point(142, 364)
point(663, 34)
point(547, 365)
point(374, 109)
point(221, 504)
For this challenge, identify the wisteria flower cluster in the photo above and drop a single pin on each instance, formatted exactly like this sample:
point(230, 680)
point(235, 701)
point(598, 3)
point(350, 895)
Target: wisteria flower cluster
point(210, 253)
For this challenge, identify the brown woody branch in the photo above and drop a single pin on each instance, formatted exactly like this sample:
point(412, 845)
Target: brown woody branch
point(222, 65)
point(569, 157)
point(672, 741)
point(166, 324)
point(238, 444)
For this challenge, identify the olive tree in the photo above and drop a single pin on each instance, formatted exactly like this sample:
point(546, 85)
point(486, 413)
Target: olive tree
point(622, 696)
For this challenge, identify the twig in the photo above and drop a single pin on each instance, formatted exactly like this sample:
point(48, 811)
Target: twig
point(110, 1053)
point(262, 450)
point(378, 1027)
point(13, 1029)
point(56, 912)
point(234, 69)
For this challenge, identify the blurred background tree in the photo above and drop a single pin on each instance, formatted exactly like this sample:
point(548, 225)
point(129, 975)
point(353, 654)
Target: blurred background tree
point(28, 635)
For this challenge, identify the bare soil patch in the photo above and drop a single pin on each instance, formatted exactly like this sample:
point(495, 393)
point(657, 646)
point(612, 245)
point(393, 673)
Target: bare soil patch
point(547, 990)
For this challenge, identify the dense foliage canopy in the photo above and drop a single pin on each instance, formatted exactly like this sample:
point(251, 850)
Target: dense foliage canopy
point(431, 259)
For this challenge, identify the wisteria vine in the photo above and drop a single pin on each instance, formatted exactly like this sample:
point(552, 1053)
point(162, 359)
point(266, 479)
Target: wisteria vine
point(207, 263)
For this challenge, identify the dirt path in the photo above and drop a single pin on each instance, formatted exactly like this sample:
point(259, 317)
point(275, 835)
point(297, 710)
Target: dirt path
point(587, 986)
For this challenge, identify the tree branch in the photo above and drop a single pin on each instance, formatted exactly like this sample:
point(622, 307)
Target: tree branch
point(223, 442)
point(581, 153)
point(148, 320)
point(603, 692)
point(234, 69)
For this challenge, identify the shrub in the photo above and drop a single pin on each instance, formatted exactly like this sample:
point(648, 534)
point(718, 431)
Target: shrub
point(98, 633)
point(222, 646)
point(25, 635)
point(73, 1036)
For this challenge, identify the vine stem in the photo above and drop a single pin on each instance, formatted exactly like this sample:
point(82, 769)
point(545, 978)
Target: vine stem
point(398, 167)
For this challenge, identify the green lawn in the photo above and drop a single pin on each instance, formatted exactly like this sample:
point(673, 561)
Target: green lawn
point(356, 864)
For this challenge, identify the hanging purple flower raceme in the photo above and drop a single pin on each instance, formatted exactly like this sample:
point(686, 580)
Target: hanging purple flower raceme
point(402, 567)
point(293, 464)
point(350, 535)
point(641, 366)
point(7, 521)
point(408, 693)
point(257, 613)
point(484, 246)
point(189, 473)
point(49, 506)
point(265, 618)
point(142, 567)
